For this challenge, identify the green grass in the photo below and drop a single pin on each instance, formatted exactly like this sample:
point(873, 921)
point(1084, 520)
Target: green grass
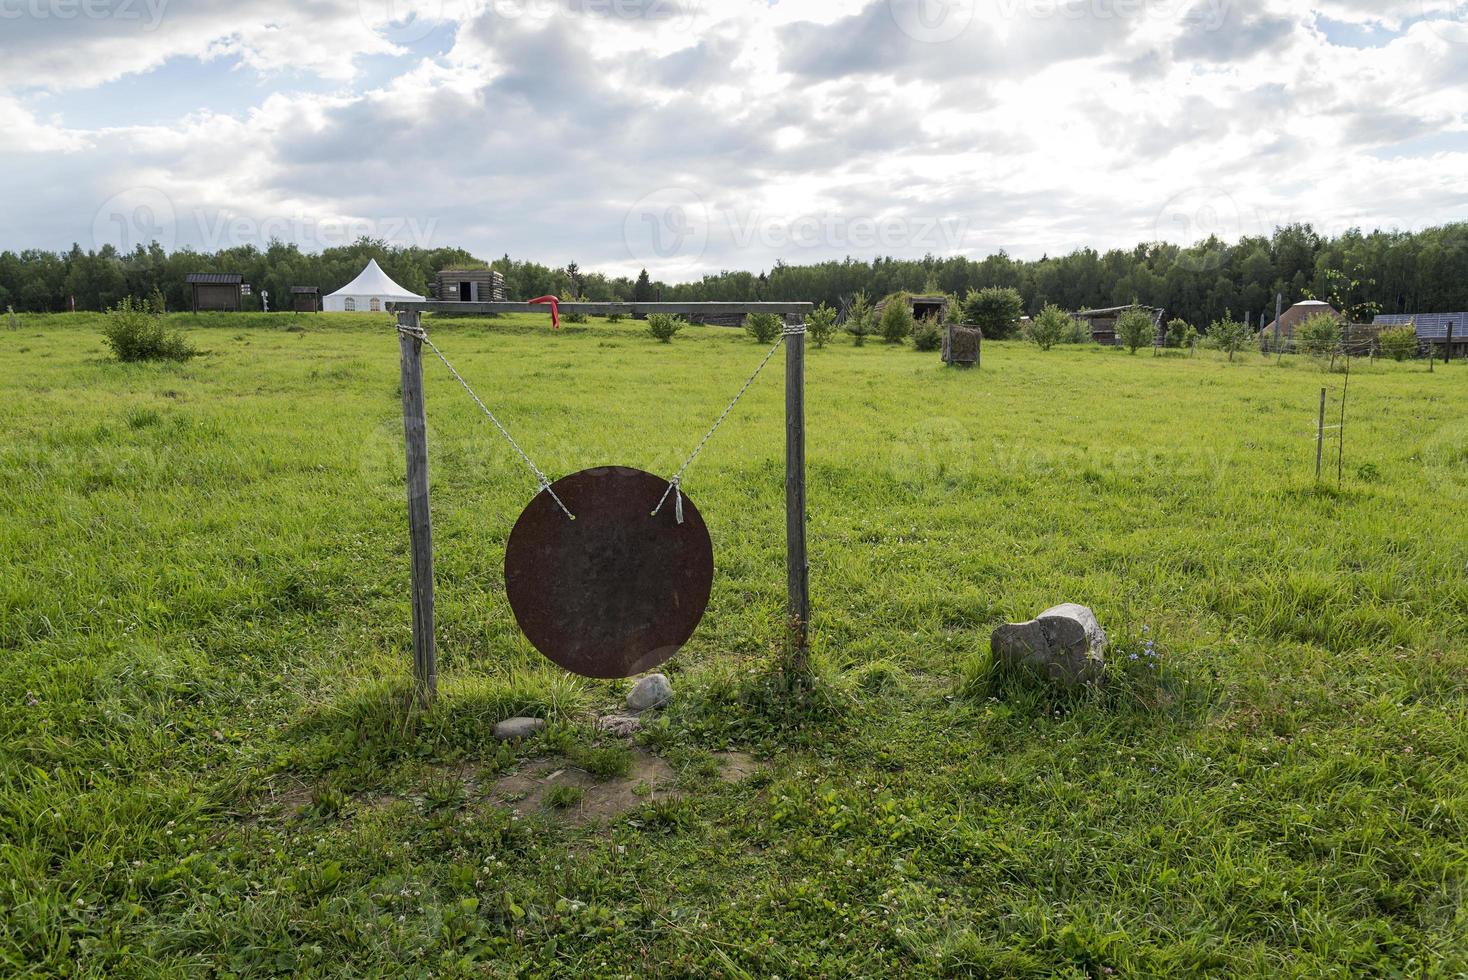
point(209, 765)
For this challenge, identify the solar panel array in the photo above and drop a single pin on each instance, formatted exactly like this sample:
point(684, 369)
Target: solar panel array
point(1430, 326)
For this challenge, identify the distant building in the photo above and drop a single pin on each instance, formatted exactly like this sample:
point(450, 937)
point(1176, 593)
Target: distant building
point(470, 286)
point(1103, 322)
point(923, 307)
point(1433, 330)
point(211, 291)
point(306, 299)
point(1291, 319)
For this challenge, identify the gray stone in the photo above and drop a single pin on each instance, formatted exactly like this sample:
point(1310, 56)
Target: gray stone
point(514, 729)
point(653, 691)
point(620, 726)
point(1064, 645)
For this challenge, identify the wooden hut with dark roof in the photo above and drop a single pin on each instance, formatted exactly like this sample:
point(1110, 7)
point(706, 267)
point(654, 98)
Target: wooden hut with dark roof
point(215, 291)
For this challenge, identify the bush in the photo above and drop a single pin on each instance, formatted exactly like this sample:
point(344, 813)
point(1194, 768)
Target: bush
point(1136, 328)
point(1076, 332)
point(897, 319)
point(616, 317)
point(1177, 333)
point(763, 327)
point(821, 324)
point(1398, 343)
point(927, 335)
point(995, 311)
point(136, 332)
point(11, 318)
point(575, 317)
point(664, 326)
point(1047, 328)
point(859, 320)
point(1318, 336)
point(1229, 335)
point(1190, 337)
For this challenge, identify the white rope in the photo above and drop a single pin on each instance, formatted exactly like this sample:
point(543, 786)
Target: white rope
point(675, 485)
point(545, 482)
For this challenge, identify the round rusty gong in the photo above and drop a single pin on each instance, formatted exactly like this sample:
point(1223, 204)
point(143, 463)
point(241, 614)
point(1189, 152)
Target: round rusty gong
point(616, 591)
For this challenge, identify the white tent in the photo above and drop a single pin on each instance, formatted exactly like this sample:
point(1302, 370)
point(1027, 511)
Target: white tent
point(370, 292)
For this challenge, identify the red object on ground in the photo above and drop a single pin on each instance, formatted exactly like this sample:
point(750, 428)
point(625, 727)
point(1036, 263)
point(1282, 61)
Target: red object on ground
point(555, 309)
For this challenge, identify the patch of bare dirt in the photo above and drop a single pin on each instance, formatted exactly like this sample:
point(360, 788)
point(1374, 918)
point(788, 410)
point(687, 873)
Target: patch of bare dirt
point(736, 767)
point(525, 790)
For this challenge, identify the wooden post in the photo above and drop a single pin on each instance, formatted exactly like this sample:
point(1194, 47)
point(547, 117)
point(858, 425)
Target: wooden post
point(1320, 436)
point(1278, 315)
point(1448, 347)
point(420, 524)
point(797, 568)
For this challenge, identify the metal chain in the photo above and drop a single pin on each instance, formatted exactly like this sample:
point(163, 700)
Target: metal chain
point(675, 484)
point(545, 482)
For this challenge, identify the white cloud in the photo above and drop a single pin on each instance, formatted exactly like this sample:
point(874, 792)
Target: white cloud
point(691, 137)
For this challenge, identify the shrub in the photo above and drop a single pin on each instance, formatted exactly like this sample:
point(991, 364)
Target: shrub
point(859, 320)
point(927, 335)
point(1136, 328)
point(995, 311)
point(1048, 327)
point(763, 327)
point(1177, 333)
point(575, 317)
point(136, 332)
point(1398, 343)
point(1076, 332)
point(821, 324)
point(1229, 335)
point(11, 319)
point(897, 319)
point(616, 316)
point(1319, 335)
point(1190, 337)
point(664, 326)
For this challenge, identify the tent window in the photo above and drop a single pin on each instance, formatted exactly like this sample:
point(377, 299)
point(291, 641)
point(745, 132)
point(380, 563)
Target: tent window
point(376, 305)
point(350, 305)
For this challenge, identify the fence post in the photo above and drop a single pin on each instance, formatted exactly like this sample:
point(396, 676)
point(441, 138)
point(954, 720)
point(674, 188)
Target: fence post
point(1320, 436)
point(1278, 315)
point(420, 524)
point(797, 568)
point(1448, 347)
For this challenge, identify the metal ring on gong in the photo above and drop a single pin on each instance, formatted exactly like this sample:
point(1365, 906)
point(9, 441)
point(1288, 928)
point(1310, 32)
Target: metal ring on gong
point(616, 591)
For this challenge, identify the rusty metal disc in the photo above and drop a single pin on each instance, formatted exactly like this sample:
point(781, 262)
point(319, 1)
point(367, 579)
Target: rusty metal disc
point(616, 591)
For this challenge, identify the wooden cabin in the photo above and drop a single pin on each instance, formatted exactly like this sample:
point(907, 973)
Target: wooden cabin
point(1103, 322)
point(306, 299)
point(215, 291)
point(470, 286)
point(1290, 320)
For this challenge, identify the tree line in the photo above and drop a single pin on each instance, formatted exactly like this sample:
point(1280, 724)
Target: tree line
point(1381, 271)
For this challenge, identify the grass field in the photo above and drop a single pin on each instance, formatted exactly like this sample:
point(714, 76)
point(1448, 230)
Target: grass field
point(209, 767)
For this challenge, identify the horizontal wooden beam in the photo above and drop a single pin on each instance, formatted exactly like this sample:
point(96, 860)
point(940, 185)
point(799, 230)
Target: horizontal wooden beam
point(691, 310)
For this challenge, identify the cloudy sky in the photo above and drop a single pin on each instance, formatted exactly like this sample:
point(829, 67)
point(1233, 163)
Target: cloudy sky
point(695, 135)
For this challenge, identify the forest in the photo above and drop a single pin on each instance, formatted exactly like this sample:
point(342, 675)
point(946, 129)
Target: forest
point(1379, 271)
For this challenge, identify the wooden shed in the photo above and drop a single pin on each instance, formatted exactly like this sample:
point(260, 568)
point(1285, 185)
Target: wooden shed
point(470, 286)
point(215, 291)
point(1103, 322)
point(923, 307)
point(306, 299)
point(1446, 334)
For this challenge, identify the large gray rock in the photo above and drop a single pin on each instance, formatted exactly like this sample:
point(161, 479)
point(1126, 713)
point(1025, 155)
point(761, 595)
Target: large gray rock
point(514, 729)
point(653, 691)
point(1065, 645)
